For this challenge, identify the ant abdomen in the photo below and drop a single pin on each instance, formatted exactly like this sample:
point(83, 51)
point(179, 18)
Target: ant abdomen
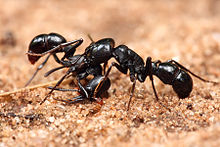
point(182, 84)
point(170, 74)
point(42, 43)
point(166, 72)
point(94, 83)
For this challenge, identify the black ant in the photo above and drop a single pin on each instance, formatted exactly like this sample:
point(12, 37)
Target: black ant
point(54, 43)
point(87, 92)
point(170, 72)
point(50, 44)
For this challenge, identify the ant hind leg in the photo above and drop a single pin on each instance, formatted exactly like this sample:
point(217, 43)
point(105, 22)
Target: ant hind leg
point(64, 90)
point(73, 100)
point(184, 68)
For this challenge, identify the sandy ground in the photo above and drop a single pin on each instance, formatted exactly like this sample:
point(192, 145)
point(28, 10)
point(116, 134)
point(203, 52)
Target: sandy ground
point(187, 31)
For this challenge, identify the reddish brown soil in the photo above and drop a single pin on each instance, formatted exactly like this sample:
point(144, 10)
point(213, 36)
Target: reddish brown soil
point(187, 31)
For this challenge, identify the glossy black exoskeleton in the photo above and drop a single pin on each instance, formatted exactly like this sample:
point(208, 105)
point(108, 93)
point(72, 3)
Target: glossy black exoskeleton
point(77, 67)
point(87, 92)
point(50, 44)
point(101, 51)
point(170, 72)
point(173, 73)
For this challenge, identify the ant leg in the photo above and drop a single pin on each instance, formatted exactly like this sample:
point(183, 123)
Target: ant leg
point(64, 90)
point(120, 68)
point(184, 68)
point(123, 70)
point(53, 70)
point(55, 48)
point(149, 72)
point(157, 62)
point(70, 50)
point(82, 89)
point(65, 63)
point(131, 93)
point(154, 89)
point(38, 68)
point(149, 69)
point(57, 59)
point(72, 100)
point(58, 83)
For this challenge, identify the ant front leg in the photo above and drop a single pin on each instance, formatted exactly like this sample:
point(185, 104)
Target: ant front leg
point(71, 100)
point(53, 70)
point(64, 90)
point(37, 70)
point(184, 68)
point(157, 62)
point(57, 84)
point(62, 62)
point(70, 50)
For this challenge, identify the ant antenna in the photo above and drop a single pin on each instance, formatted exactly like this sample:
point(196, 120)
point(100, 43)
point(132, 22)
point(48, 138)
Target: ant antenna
point(90, 38)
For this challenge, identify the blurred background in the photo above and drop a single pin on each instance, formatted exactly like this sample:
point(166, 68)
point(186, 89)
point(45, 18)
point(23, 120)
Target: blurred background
point(185, 30)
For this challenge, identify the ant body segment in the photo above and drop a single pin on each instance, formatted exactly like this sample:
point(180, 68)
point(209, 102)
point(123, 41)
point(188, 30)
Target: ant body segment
point(50, 44)
point(87, 92)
